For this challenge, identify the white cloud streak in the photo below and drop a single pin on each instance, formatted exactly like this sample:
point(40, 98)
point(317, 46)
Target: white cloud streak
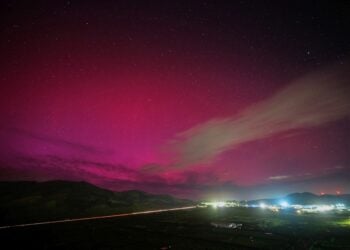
point(279, 177)
point(313, 100)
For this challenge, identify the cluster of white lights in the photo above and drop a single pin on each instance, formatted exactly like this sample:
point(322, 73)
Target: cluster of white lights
point(262, 205)
point(283, 204)
point(302, 208)
point(216, 204)
point(219, 204)
point(322, 208)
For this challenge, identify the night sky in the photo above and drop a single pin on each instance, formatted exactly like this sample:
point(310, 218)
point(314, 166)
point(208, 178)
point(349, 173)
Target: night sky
point(196, 99)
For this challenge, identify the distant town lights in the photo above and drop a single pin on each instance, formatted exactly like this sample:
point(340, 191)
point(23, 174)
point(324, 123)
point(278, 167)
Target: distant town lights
point(219, 204)
point(280, 206)
point(340, 206)
point(216, 204)
point(284, 204)
point(262, 205)
point(324, 208)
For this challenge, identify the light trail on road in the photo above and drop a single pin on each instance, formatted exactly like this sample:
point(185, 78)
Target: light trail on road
point(97, 217)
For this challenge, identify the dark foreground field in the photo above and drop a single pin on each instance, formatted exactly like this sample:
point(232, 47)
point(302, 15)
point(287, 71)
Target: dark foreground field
point(190, 229)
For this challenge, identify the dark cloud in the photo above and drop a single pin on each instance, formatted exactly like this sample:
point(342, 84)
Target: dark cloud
point(54, 167)
point(152, 168)
point(59, 142)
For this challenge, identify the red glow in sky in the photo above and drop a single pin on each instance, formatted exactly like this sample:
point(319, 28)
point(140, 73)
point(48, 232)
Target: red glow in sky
point(150, 98)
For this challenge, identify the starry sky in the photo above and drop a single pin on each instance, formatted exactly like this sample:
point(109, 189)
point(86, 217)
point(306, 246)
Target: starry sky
point(198, 99)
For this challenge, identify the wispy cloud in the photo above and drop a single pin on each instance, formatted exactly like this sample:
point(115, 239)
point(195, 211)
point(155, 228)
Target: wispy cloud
point(56, 141)
point(313, 100)
point(49, 167)
point(279, 177)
